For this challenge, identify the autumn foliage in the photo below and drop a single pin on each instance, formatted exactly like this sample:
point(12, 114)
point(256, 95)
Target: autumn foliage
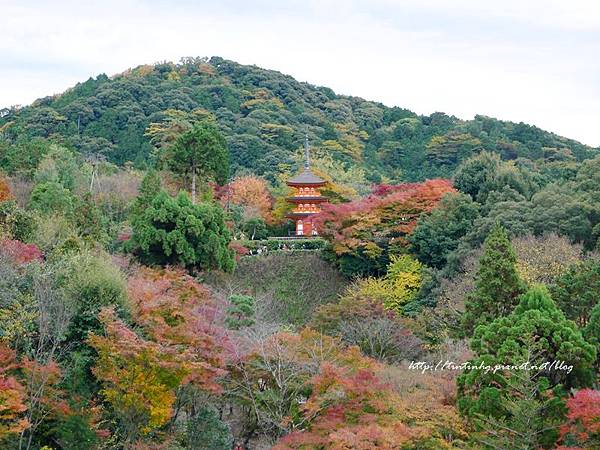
point(251, 193)
point(177, 345)
point(355, 409)
point(20, 252)
point(582, 429)
point(5, 193)
point(349, 410)
point(383, 218)
point(29, 393)
point(175, 310)
point(322, 394)
point(12, 395)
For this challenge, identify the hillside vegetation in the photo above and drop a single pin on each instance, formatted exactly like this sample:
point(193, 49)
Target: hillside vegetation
point(151, 298)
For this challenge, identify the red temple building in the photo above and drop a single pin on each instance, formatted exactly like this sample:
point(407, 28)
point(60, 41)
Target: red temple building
point(306, 198)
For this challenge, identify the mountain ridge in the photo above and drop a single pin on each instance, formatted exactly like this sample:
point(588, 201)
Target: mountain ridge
point(264, 115)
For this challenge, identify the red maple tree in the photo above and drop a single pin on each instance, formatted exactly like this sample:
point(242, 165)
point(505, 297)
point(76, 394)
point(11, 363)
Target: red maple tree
point(582, 429)
point(383, 218)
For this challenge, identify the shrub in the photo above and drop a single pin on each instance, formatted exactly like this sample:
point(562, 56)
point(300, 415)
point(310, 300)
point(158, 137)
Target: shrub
point(51, 197)
point(92, 281)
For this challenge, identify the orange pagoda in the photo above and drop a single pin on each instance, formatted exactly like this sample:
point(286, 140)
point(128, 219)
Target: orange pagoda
point(306, 198)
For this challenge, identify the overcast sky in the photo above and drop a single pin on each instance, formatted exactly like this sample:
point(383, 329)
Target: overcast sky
point(536, 61)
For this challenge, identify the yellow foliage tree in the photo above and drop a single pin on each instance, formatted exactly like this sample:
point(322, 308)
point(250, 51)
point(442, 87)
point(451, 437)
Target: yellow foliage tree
point(399, 286)
point(174, 124)
point(139, 378)
point(543, 259)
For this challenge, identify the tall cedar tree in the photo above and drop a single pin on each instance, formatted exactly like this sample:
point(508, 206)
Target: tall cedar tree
point(201, 151)
point(497, 286)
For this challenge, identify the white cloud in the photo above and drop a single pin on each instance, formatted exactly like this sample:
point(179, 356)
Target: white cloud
point(523, 61)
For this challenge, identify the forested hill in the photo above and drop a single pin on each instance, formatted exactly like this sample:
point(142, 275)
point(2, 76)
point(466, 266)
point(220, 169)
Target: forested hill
point(264, 116)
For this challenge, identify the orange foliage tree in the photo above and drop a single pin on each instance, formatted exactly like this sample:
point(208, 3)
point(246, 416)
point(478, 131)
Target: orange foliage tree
point(355, 409)
point(273, 376)
point(252, 194)
point(318, 393)
point(12, 396)
point(180, 346)
point(349, 410)
point(178, 312)
point(45, 399)
point(29, 395)
point(5, 193)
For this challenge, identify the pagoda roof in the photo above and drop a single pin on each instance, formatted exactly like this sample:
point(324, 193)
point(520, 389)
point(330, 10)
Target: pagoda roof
point(293, 215)
point(306, 177)
point(303, 199)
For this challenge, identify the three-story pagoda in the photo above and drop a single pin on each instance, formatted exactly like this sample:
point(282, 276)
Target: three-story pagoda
point(307, 198)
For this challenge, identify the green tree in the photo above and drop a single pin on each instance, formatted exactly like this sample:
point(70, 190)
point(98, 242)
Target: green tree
point(91, 282)
point(536, 333)
point(172, 230)
point(451, 148)
point(200, 151)
point(592, 330)
point(74, 432)
point(241, 312)
point(15, 221)
point(577, 291)
point(89, 220)
point(206, 431)
point(255, 228)
point(59, 165)
point(24, 156)
point(438, 233)
point(533, 415)
point(149, 188)
point(475, 173)
point(497, 286)
point(51, 197)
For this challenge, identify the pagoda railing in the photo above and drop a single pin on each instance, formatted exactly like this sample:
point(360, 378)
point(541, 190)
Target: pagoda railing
point(290, 238)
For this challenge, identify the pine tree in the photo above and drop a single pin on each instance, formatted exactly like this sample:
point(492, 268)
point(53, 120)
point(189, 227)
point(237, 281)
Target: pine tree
point(241, 312)
point(497, 286)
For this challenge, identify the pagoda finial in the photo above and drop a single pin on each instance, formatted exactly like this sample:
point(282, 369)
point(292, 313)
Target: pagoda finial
point(306, 153)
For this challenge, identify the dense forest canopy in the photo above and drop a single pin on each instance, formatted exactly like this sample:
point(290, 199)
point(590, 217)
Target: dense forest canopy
point(264, 115)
